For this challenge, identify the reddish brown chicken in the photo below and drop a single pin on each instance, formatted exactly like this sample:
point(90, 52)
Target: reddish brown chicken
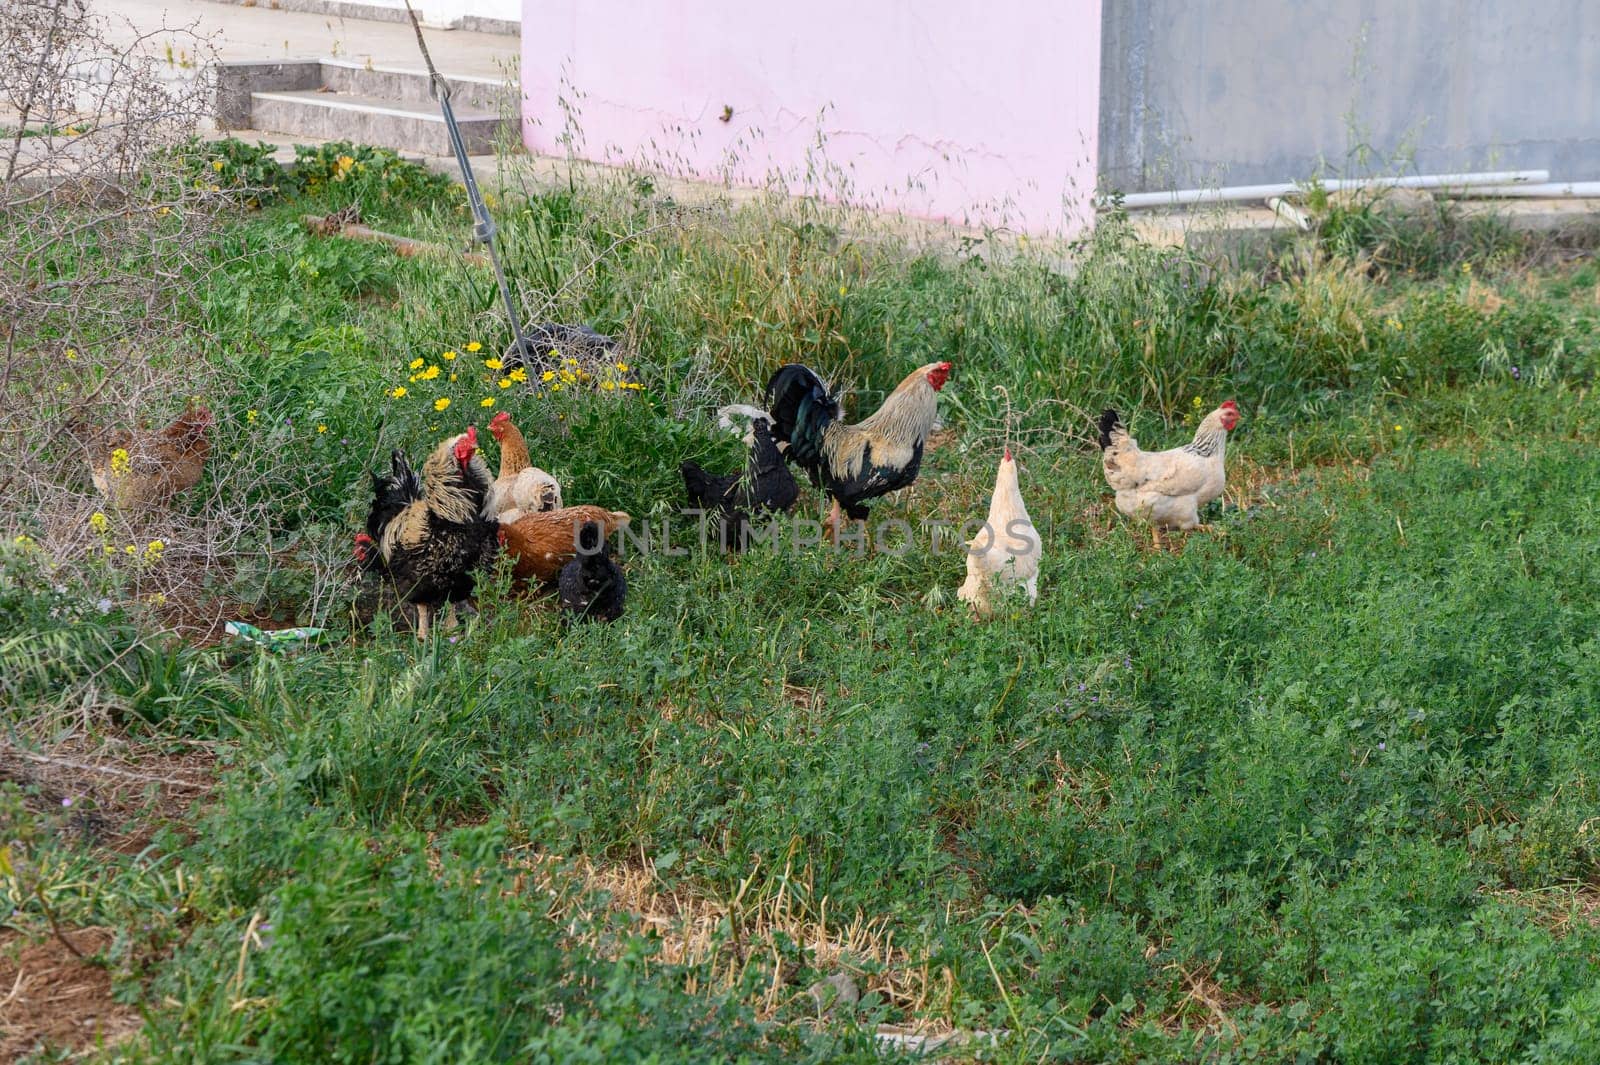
point(544, 542)
point(146, 467)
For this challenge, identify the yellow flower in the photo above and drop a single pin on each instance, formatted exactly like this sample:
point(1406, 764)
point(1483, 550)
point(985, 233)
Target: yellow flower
point(608, 386)
point(583, 375)
point(486, 402)
point(555, 388)
point(322, 428)
point(72, 355)
point(568, 376)
point(120, 463)
point(1398, 429)
point(547, 376)
point(505, 382)
point(474, 347)
point(623, 367)
point(417, 363)
point(152, 550)
point(441, 403)
point(399, 392)
point(107, 549)
point(429, 374)
point(162, 212)
point(493, 364)
point(216, 188)
point(130, 550)
point(72, 131)
point(450, 356)
point(98, 522)
point(842, 291)
point(23, 541)
point(412, 379)
point(250, 416)
point(569, 361)
point(452, 377)
point(636, 386)
point(216, 164)
point(519, 375)
point(157, 600)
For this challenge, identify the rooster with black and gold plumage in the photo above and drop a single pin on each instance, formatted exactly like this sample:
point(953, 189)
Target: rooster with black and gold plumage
point(427, 534)
point(854, 463)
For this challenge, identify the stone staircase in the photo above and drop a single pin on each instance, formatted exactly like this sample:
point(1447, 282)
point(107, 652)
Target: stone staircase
point(327, 99)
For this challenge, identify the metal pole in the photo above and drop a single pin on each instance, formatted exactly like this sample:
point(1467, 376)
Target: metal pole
point(483, 227)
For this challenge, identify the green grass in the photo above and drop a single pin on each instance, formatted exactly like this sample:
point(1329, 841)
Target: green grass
point(1320, 788)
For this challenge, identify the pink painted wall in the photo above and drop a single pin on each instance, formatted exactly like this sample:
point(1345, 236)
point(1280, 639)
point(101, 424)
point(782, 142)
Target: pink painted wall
point(979, 113)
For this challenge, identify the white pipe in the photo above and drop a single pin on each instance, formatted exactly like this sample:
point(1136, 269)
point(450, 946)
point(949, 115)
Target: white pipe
point(1290, 213)
point(1182, 197)
point(1554, 190)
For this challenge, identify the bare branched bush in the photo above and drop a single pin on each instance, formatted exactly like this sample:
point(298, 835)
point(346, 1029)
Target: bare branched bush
point(108, 230)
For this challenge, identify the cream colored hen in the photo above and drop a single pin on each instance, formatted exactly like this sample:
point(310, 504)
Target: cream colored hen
point(1167, 488)
point(522, 488)
point(1006, 550)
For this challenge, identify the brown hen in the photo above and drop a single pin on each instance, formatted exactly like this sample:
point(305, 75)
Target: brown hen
point(542, 543)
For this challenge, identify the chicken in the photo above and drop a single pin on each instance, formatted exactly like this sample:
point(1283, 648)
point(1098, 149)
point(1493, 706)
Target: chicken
point(592, 585)
point(854, 463)
point(146, 468)
point(1006, 550)
point(1167, 488)
point(522, 488)
point(764, 485)
point(542, 543)
point(427, 535)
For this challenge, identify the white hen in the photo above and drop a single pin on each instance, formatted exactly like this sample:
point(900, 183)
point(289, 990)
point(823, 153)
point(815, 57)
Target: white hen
point(1006, 550)
point(1168, 488)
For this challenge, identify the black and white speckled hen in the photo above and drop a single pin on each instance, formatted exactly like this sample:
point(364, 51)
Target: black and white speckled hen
point(428, 534)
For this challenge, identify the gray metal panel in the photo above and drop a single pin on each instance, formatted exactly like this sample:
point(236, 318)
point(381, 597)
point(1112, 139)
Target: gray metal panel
point(1206, 92)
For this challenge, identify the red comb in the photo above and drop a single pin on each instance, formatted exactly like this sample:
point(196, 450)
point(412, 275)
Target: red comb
point(503, 416)
point(1230, 404)
point(1008, 456)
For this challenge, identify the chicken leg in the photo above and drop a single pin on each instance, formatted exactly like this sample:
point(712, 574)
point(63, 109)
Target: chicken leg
point(830, 524)
point(1155, 532)
point(423, 612)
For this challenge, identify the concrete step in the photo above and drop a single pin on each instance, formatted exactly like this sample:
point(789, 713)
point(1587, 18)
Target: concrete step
point(366, 119)
point(414, 87)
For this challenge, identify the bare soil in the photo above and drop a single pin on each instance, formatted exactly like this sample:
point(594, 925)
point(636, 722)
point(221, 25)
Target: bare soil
point(52, 1000)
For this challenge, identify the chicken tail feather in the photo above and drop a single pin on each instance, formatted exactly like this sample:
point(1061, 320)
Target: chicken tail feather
point(801, 408)
point(1110, 427)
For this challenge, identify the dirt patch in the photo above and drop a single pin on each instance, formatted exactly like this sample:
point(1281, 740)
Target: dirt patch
point(1560, 906)
point(111, 799)
point(689, 927)
point(52, 999)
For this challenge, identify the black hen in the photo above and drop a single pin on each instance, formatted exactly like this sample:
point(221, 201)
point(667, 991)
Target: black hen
point(592, 585)
point(764, 485)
